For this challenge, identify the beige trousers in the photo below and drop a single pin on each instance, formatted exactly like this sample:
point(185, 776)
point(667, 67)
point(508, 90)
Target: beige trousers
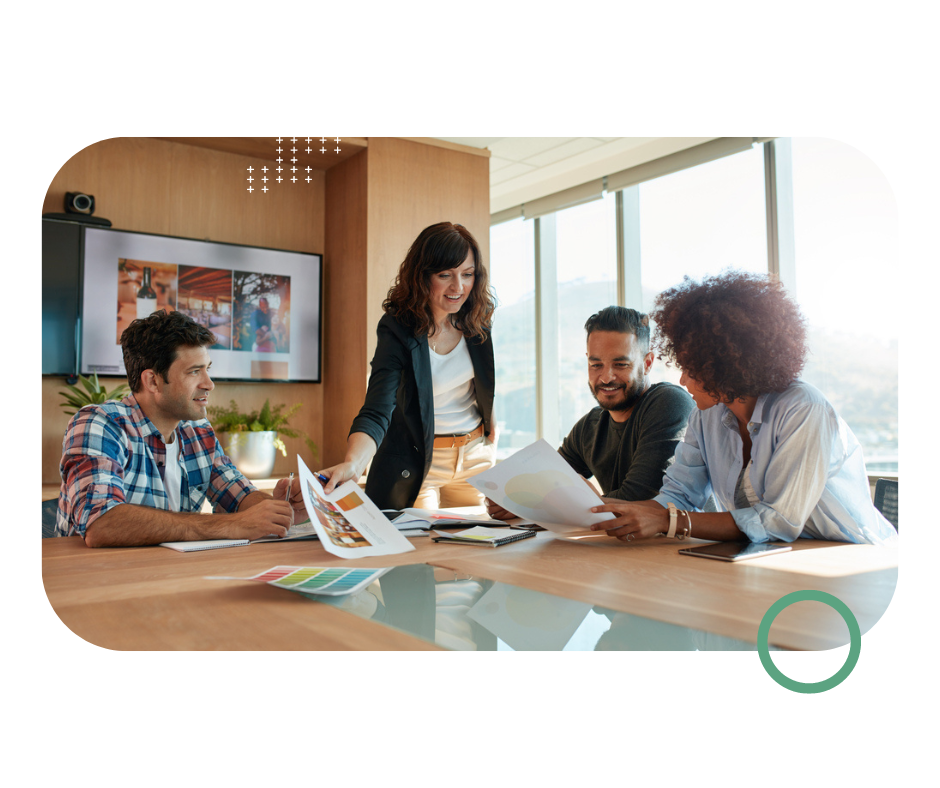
point(446, 483)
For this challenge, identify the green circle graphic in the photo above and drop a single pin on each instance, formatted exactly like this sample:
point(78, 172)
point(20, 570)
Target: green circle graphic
point(855, 641)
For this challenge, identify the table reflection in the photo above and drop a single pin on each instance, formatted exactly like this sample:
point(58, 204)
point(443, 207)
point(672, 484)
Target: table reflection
point(468, 613)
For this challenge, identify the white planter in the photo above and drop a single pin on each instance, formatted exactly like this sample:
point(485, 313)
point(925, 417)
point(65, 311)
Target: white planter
point(253, 453)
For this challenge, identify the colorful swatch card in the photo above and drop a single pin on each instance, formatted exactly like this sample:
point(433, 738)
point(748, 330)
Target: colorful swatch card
point(326, 580)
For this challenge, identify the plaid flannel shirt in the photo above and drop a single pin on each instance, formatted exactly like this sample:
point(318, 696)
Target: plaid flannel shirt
point(113, 454)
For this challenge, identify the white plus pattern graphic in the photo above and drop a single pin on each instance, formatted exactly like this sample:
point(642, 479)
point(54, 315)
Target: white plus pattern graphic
point(361, 90)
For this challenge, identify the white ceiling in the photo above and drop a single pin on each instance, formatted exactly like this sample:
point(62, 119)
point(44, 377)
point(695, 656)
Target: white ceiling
point(526, 168)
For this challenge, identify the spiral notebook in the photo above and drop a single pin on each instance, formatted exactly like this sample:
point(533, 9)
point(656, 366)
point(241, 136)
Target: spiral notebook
point(206, 544)
point(494, 537)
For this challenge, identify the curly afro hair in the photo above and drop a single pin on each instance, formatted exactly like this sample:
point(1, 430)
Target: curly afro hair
point(737, 334)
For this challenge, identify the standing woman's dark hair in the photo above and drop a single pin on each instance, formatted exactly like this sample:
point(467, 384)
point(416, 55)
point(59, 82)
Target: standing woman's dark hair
point(440, 247)
point(428, 423)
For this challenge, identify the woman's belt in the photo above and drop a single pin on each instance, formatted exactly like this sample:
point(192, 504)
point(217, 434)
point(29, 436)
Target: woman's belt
point(456, 441)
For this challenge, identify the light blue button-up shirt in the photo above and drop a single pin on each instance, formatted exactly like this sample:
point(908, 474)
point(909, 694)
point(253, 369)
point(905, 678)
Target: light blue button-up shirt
point(806, 468)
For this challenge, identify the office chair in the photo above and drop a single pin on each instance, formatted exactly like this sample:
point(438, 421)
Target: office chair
point(886, 500)
point(48, 517)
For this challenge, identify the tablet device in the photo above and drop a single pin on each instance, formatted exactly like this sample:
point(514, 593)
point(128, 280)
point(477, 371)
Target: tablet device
point(735, 551)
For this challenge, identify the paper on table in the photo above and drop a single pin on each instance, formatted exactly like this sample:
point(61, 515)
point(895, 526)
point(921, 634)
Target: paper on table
point(537, 484)
point(349, 524)
point(426, 518)
point(304, 530)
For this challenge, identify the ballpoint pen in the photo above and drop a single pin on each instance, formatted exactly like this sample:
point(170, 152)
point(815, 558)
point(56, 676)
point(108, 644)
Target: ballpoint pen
point(290, 482)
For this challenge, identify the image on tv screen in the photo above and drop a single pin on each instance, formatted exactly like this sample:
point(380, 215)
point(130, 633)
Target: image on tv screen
point(261, 305)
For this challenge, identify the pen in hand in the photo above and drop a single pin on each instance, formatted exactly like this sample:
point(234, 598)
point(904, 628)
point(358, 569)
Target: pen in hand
point(290, 482)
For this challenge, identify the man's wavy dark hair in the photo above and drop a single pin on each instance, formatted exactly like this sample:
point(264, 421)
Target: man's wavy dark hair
point(440, 247)
point(737, 334)
point(152, 342)
point(623, 320)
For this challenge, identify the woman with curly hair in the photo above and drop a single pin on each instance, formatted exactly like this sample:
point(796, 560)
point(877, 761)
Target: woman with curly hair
point(780, 461)
point(428, 416)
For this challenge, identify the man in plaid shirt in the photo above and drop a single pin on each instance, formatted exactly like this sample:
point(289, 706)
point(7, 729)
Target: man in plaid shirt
point(137, 472)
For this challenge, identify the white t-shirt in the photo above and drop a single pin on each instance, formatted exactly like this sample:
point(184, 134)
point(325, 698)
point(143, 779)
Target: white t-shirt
point(455, 401)
point(171, 474)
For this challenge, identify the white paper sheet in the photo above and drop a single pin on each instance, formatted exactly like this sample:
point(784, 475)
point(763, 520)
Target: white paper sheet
point(537, 484)
point(348, 523)
point(304, 530)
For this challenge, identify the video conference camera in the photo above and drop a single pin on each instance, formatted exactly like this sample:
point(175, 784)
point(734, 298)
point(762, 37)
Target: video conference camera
point(79, 207)
point(76, 202)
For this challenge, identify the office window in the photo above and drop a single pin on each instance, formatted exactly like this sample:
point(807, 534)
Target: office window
point(701, 221)
point(846, 248)
point(512, 274)
point(586, 260)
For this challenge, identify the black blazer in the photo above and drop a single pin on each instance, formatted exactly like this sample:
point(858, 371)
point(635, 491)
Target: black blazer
point(398, 413)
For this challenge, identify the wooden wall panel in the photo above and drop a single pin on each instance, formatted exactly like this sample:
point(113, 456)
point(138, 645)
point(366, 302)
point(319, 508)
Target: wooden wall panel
point(377, 203)
point(412, 185)
point(346, 329)
point(362, 214)
point(154, 186)
point(163, 187)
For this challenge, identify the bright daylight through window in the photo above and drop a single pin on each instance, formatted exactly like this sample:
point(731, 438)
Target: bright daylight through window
point(701, 221)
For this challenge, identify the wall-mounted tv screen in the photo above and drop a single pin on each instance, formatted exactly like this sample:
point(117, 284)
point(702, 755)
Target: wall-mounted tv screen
point(261, 305)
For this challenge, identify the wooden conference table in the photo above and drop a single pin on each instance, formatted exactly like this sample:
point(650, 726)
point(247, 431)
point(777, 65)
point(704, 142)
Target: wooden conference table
point(153, 598)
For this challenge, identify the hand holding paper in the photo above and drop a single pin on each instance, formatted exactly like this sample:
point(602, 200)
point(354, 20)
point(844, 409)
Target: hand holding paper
point(538, 485)
point(348, 523)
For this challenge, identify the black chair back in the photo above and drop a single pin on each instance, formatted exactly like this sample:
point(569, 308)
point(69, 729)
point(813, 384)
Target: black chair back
point(886, 500)
point(48, 517)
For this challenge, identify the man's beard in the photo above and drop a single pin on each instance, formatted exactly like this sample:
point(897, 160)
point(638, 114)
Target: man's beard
point(630, 395)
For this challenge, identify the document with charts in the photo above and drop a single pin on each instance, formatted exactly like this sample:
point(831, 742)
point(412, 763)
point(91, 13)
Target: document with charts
point(538, 485)
point(348, 523)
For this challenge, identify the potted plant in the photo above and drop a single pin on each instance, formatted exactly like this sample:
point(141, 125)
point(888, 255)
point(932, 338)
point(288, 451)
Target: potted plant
point(91, 393)
point(251, 439)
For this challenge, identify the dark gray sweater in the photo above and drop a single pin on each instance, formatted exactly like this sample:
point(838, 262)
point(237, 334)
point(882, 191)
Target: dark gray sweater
point(629, 459)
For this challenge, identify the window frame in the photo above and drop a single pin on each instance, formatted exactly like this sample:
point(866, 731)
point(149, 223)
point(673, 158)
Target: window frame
point(781, 263)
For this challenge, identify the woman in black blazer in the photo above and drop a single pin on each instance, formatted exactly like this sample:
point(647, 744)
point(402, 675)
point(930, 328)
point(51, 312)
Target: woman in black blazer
point(428, 416)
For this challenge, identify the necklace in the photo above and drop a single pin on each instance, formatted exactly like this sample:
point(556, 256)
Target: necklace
point(440, 334)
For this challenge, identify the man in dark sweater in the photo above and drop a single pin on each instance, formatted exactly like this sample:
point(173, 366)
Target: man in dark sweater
point(627, 442)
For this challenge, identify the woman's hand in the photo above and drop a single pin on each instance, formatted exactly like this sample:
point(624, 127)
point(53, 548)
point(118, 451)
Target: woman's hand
point(360, 448)
point(339, 474)
point(493, 436)
point(633, 520)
